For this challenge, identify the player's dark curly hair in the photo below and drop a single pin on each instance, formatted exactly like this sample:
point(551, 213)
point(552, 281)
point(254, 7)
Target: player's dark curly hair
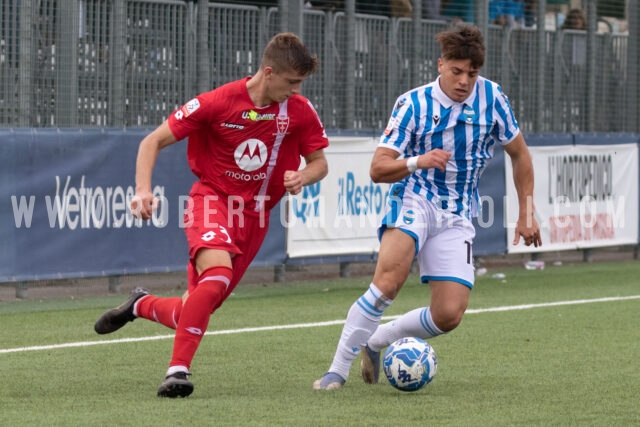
point(286, 51)
point(463, 41)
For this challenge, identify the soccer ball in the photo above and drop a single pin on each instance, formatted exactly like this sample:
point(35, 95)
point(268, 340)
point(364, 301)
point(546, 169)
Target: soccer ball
point(410, 364)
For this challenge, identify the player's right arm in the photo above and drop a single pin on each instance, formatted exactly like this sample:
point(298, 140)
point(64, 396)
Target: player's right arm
point(386, 167)
point(143, 203)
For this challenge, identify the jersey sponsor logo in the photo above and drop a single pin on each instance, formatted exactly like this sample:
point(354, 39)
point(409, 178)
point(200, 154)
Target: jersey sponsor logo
point(232, 126)
point(256, 117)
point(246, 176)
point(250, 156)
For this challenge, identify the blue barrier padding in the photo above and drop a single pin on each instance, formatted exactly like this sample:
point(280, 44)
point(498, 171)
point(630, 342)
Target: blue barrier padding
point(547, 139)
point(606, 138)
point(490, 233)
point(50, 240)
point(41, 237)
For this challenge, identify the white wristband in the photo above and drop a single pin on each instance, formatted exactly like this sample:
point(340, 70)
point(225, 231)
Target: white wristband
point(412, 164)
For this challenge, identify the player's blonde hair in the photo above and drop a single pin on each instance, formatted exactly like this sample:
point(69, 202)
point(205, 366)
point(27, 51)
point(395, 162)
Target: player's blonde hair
point(285, 52)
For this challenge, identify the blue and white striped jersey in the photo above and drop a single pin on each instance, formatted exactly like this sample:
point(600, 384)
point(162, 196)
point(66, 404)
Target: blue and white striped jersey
point(425, 118)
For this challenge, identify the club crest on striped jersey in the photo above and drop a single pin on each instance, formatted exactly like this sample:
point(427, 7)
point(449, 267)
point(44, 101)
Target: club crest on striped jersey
point(468, 114)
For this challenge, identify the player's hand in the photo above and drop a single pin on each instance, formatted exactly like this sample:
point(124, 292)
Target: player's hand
point(293, 182)
point(143, 205)
point(436, 158)
point(529, 230)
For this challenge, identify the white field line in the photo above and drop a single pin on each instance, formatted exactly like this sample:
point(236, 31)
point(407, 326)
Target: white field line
point(308, 325)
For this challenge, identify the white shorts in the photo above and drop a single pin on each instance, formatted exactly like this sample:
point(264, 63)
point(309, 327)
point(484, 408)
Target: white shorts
point(444, 241)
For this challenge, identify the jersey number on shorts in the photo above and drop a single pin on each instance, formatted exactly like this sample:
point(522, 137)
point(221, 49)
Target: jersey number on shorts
point(468, 243)
point(210, 235)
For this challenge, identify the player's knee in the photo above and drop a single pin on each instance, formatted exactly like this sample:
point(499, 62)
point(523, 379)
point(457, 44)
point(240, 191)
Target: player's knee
point(389, 284)
point(448, 319)
point(389, 289)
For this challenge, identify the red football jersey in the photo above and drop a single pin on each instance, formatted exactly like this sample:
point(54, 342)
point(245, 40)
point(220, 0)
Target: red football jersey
point(242, 151)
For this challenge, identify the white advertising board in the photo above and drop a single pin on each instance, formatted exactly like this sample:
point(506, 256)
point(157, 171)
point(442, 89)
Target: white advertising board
point(585, 196)
point(340, 214)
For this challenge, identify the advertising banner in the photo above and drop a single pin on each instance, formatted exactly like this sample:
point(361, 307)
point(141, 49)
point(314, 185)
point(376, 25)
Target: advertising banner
point(65, 195)
point(340, 214)
point(585, 196)
point(65, 207)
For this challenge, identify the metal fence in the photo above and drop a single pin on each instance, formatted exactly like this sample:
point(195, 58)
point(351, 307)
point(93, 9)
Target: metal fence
point(130, 63)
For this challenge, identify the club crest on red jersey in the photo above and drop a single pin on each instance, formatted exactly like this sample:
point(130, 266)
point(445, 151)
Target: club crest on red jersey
point(283, 123)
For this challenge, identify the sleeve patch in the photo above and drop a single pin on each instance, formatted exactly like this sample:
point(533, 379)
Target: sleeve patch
point(187, 109)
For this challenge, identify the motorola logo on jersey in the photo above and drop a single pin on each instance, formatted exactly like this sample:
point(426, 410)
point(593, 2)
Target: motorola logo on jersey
point(251, 155)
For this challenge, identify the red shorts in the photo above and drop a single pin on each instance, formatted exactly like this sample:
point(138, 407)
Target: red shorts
point(210, 223)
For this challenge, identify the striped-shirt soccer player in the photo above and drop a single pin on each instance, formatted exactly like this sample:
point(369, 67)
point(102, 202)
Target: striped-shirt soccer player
point(439, 139)
point(426, 118)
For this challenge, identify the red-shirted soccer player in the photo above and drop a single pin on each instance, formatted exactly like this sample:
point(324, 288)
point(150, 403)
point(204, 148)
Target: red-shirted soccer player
point(246, 140)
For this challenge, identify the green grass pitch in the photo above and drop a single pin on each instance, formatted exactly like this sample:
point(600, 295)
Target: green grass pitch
point(514, 360)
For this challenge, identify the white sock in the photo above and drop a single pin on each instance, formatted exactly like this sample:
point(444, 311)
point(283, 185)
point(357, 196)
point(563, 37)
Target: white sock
point(135, 305)
point(362, 320)
point(416, 323)
point(178, 368)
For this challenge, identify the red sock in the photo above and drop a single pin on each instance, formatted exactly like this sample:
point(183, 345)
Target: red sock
point(165, 311)
point(194, 319)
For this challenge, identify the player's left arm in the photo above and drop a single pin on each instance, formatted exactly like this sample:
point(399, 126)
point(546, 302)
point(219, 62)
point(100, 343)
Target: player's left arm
point(316, 168)
point(527, 227)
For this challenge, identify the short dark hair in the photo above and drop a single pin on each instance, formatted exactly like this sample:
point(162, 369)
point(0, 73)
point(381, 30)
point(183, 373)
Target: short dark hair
point(285, 52)
point(576, 20)
point(463, 41)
